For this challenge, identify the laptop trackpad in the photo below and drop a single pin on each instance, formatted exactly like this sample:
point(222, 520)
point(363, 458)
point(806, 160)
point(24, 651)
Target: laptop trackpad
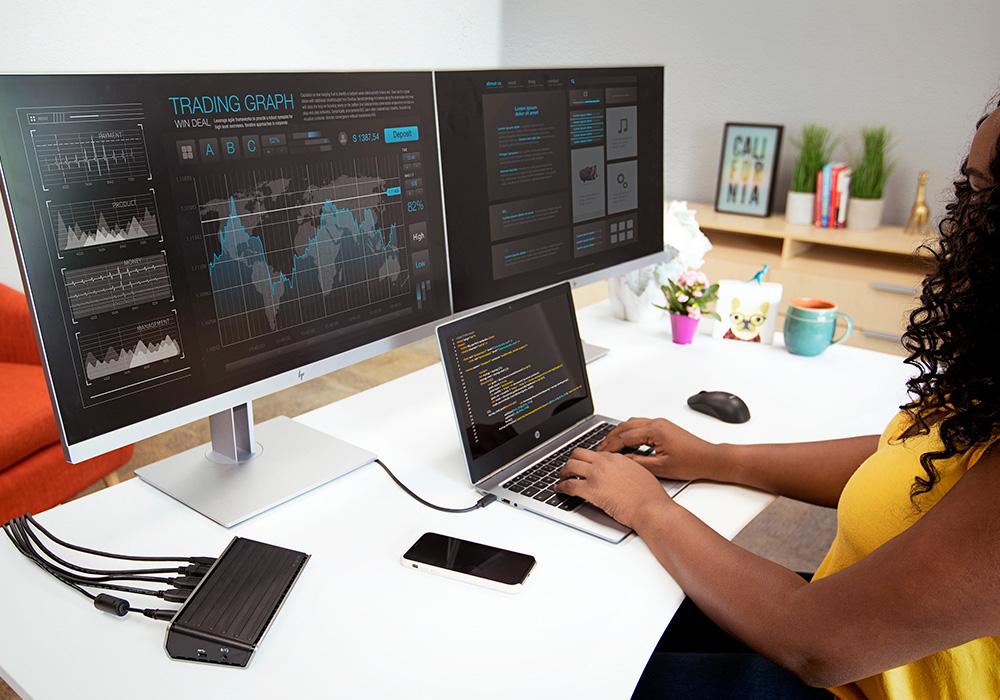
point(596, 515)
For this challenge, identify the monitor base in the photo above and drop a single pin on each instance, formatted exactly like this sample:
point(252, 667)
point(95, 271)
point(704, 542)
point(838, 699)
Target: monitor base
point(593, 352)
point(286, 460)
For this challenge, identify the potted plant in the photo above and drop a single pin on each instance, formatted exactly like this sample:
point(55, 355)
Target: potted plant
point(815, 148)
point(687, 301)
point(868, 178)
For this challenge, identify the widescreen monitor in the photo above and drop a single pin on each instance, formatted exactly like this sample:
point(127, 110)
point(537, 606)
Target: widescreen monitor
point(549, 175)
point(191, 242)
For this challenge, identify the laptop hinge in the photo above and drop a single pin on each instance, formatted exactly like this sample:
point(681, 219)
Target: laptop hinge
point(541, 447)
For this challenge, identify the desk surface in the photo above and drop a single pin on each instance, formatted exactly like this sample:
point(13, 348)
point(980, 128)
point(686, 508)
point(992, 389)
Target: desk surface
point(358, 624)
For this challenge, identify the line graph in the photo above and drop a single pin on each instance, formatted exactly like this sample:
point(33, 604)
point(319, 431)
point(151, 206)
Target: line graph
point(83, 157)
point(128, 347)
point(291, 245)
point(100, 222)
point(119, 285)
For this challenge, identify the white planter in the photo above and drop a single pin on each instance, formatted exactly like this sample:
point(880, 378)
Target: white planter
point(800, 207)
point(864, 214)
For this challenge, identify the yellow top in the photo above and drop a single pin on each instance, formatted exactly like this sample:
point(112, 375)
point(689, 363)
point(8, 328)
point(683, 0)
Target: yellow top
point(875, 507)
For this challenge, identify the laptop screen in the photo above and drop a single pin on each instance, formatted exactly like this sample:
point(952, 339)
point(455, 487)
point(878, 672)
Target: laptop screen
point(517, 376)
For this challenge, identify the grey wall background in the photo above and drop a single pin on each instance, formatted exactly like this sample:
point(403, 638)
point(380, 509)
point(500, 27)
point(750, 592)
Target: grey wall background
point(925, 69)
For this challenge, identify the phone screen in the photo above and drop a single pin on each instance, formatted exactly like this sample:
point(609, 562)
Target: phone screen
point(471, 558)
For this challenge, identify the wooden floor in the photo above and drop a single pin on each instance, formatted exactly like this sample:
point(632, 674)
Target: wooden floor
point(793, 534)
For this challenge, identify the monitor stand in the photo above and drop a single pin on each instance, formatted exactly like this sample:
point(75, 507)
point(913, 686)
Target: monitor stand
point(236, 477)
point(593, 352)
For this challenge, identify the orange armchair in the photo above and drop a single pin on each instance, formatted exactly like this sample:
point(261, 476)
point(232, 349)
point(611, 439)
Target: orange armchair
point(34, 475)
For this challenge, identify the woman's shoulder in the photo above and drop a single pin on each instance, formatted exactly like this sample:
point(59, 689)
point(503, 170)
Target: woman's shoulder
point(920, 436)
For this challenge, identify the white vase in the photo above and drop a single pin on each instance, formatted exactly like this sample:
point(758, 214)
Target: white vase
point(800, 207)
point(637, 308)
point(864, 214)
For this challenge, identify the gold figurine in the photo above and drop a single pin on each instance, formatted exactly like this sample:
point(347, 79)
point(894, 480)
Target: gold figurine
point(920, 215)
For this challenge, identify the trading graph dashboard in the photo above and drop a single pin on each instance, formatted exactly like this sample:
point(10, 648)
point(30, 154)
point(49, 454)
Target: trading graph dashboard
point(290, 246)
point(184, 235)
point(550, 174)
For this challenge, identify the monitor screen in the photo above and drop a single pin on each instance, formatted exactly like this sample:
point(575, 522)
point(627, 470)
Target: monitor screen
point(516, 375)
point(549, 175)
point(182, 236)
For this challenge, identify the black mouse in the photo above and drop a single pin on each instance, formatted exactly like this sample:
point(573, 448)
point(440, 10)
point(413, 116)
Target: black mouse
point(720, 404)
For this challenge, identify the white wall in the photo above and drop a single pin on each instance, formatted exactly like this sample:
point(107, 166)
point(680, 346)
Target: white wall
point(146, 36)
point(925, 69)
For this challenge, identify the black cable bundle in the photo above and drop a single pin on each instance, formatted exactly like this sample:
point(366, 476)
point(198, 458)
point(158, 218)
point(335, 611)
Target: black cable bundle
point(188, 571)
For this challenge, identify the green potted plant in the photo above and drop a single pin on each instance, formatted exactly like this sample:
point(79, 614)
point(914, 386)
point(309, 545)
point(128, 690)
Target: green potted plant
point(868, 178)
point(815, 148)
point(687, 301)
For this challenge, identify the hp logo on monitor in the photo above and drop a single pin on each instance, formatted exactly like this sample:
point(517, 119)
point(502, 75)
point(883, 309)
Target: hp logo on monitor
point(302, 375)
point(538, 434)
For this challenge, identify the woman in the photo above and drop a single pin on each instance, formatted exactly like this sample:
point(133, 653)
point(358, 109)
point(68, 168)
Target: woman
point(906, 603)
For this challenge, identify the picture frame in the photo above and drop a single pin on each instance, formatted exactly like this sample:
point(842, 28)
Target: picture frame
point(748, 168)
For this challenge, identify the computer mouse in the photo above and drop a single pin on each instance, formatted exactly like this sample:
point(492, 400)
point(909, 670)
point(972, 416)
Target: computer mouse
point(720, 404)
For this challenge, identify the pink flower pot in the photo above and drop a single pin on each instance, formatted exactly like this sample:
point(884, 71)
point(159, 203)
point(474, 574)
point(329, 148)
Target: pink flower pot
point(682, 328)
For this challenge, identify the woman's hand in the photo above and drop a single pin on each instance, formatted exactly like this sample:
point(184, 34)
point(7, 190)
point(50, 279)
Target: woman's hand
point(679, 454)
point(614, 483)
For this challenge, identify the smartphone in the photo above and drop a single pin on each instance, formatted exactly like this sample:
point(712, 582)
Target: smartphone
point(481, 564)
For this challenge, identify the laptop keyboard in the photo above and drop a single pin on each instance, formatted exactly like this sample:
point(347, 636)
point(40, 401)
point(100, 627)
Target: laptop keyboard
point(537, 480)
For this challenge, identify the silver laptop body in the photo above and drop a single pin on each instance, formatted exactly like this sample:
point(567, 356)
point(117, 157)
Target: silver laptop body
point(582, 515)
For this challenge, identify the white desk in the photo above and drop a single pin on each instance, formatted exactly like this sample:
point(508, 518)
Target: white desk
point(358, 624)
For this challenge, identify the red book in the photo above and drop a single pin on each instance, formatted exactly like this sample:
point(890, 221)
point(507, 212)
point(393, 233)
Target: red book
point(833, 198)
point(835, 193)
point(818, 209)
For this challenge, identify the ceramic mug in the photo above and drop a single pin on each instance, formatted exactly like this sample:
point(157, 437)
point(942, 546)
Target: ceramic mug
point(810, 325)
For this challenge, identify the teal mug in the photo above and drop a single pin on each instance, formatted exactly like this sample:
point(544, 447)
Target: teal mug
point(810, 325)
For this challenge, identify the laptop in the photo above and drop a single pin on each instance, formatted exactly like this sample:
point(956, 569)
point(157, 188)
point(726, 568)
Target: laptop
point(523, 403)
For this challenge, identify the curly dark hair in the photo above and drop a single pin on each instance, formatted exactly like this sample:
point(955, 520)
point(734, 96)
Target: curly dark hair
point(953, 337)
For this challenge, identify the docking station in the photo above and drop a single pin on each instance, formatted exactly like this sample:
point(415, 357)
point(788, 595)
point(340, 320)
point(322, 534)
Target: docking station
point(227, 615)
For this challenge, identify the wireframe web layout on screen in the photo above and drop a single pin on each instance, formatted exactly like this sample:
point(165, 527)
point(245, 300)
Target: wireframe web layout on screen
point(548, 174)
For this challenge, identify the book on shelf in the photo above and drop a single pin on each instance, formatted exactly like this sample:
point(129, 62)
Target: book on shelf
point(824, 194)
point(818, 206)
point(843, 197)
point(832, 194)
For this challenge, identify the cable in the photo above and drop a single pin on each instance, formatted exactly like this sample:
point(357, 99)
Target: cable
point(107, 603)
point(19, 527)
point(8, 531)
point(194, 569)
point(109, 555)
point(109, 574)
point(481, 503)
point(15, 532)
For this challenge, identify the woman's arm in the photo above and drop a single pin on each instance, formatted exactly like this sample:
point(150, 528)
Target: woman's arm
point(935, 586)
point(815, 472)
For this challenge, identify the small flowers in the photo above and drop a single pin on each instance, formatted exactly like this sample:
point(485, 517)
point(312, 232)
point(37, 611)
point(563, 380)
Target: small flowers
point(690, 295)
point(693, 278)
